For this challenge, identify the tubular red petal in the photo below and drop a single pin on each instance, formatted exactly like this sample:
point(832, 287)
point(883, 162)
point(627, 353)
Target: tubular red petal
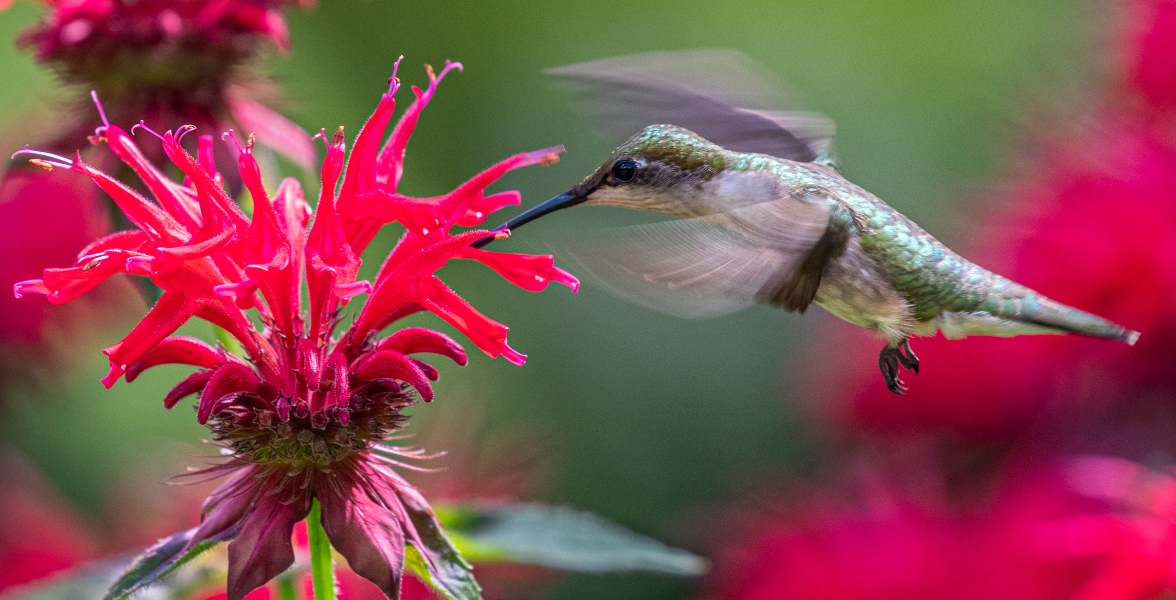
point(366, 533)
point(532, 272)
point(173, 256)
point(158, 224)
point(172, 310)
point(204, 154)
point(455, 205)
point(171, 196)
point(411, 340)
point(212, 197)
point(430, 371)
point(398, 283)
point(66, 284)
point(346, 291)
point(292, 208)
point(389, 364)
point(486, 333)
point(191, 384)
point(336, 364)
point(132, 239)
point(177, 350)
point(482, 206)
point(278, 283)
point(390, 164)
point(330, 262)
point(229, 378)
point(361, 178)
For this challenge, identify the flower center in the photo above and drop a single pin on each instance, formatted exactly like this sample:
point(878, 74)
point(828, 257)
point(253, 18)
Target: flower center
point(313, 440)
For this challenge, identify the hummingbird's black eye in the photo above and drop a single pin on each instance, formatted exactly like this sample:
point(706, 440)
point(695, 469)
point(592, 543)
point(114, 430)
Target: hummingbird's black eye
point(624, 170)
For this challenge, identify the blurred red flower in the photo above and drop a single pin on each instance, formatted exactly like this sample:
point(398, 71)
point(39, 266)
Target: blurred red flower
point(1150, 52)
point(40, 533)
point(1090, 222)
point(1026, 538)
point(44, 218)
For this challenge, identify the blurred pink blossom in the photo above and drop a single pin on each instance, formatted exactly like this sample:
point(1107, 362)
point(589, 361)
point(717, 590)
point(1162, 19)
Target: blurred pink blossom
point(1028, 537)
point(1090, 221)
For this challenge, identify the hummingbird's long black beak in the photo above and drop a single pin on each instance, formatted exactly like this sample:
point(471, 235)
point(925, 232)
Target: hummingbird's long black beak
point(563, 200)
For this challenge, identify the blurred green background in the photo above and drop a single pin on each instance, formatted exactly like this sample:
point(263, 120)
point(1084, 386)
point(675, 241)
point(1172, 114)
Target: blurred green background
point(643, 418)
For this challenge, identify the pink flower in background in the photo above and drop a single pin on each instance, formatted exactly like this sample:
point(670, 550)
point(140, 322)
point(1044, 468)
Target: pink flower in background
point(304, 411)
point(1150, 53)
point(1027, 538)
point(45, 219)
point(167, 62)
point(1090, 221)
point(79, 26)
point(1136, 536)
point(40, 533)
point(170, 63)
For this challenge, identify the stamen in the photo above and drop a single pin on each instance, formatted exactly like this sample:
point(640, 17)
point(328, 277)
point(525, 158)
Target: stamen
point(229, 137)
point(394, 81)
point(142, 125)
point(184, 130)
point(100, 131)
point(49, 160)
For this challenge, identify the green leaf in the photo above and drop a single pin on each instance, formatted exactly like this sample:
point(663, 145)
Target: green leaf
point(561, 538)
point(156, 562)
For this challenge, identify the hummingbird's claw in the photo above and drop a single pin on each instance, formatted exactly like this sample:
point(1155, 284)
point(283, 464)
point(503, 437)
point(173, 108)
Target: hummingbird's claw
point(906, 356)
point(889, 361)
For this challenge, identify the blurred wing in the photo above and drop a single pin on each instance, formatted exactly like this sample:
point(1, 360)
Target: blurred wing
point(703, 267)
point(721, 95)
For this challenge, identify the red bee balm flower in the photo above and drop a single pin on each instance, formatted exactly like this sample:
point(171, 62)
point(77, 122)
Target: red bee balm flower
point(303, 414)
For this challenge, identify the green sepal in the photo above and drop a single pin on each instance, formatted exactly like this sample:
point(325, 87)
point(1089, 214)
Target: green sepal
point(439, 563)
point(156, 562)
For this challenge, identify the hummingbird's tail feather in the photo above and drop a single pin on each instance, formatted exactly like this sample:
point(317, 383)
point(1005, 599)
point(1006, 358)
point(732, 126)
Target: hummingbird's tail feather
point(1038, 310)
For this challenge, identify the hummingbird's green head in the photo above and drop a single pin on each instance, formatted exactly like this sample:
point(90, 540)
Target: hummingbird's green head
point(658, 170)
point(661, 169)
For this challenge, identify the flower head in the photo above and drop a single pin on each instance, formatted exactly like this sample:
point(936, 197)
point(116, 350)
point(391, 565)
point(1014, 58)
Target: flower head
point(101, 38)
point(167, 62)
point(303, 412)
point(170, 62)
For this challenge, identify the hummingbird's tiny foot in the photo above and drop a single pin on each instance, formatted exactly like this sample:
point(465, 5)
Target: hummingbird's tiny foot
point(906, 356)
point(888, 361)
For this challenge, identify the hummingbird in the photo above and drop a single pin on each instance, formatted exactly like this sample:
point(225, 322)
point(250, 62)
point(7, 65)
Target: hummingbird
point(762, 215)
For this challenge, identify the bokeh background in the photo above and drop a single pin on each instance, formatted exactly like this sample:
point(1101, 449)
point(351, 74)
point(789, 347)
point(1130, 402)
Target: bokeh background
point(660, 424)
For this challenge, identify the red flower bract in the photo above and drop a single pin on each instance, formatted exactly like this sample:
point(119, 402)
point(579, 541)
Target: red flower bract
point(304, 411)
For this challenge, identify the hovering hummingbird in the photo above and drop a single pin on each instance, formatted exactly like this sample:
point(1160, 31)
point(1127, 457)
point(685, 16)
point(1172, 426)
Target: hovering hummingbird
point(764, 216)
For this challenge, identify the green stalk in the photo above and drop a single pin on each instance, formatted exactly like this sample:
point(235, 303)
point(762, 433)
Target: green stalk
point(286, 587)
point(322, 570)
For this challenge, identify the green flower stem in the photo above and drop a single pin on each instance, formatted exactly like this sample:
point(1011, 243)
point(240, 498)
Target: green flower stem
point(322, 570)
point(286, 588)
